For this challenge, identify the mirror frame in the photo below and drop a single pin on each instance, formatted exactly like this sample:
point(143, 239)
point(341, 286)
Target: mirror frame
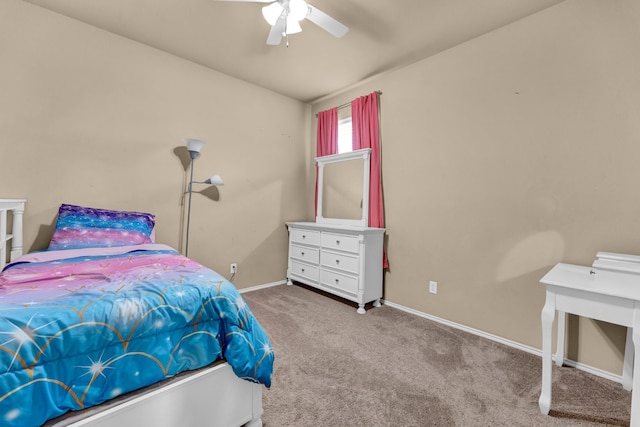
point(364, 154)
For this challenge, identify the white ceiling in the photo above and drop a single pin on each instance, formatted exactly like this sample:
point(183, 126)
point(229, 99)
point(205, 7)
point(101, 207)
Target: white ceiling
point(230, 36)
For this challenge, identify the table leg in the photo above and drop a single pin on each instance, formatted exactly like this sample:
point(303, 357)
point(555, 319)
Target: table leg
point(635, 397)
point(548, 313)
point(627, 368)
point(562, 330)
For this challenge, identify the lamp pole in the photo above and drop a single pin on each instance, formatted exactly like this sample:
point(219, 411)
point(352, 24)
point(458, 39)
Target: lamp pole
point(193, 154)
point(194, 146)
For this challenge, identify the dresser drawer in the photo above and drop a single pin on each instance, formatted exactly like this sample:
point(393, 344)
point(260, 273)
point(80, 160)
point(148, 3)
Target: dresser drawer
point(340, 261)
point(341, 242)
point(304, 270)
point(339, 281)
point(304, 253)
point(309, 237)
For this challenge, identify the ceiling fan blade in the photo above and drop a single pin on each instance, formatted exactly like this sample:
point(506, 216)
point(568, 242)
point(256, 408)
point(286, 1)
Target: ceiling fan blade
point(326, 22)
point(275, 35)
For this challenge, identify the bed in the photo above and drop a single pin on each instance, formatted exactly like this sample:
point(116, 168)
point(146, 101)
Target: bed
point(106, 328)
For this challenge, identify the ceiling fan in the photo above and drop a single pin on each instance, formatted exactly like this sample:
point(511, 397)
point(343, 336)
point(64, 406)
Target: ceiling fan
point(284, 16)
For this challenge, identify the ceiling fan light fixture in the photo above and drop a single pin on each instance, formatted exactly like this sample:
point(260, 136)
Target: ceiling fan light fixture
point(293, 26)
point(298, 9)
point(272, 12)
point(284, 17)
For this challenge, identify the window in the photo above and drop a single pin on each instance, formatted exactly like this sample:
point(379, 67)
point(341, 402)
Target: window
point(345, 135)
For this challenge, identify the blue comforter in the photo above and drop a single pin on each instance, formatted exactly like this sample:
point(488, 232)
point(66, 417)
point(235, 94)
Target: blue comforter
point(79, 328)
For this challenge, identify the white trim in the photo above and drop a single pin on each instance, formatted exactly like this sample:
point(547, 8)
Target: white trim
point(595, 371)
point(266, 285)
point(590, 369)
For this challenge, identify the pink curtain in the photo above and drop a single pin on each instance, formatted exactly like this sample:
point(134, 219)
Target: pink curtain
point(327, 139)
point(366, 134)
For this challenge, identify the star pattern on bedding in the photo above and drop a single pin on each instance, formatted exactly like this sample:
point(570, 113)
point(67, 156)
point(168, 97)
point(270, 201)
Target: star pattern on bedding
point(82, 330)
point(83, 227)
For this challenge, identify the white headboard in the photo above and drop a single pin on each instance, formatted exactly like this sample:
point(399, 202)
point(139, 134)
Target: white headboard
point(13, 237)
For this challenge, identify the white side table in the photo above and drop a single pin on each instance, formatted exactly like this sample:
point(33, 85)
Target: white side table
point(610, 296)
point(623, 263)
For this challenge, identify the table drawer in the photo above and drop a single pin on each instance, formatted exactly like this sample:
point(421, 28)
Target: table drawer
point(304, 253)
point(308, 237)
point(341, 242)
point(607, 308)
point(304, 270)
point(339, 281)
point(340, 261)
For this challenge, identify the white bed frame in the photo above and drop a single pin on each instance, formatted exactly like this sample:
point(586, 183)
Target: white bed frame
point(213, 396)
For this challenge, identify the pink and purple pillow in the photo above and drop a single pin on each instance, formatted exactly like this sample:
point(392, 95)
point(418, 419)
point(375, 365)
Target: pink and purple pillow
point(81, 227)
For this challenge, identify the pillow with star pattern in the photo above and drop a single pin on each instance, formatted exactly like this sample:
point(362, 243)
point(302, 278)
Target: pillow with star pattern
point(80, 227)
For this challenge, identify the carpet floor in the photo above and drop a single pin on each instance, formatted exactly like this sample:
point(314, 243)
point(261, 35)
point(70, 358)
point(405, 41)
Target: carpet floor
point(334, 367)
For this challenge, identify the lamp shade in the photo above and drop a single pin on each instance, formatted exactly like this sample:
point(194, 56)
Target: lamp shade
point(298, 9)
point(293, 26)
point(214, 180)
point(272, 12)
point(194, 145)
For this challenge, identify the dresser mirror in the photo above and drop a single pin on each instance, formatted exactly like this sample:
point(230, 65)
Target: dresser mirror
point(343, 188)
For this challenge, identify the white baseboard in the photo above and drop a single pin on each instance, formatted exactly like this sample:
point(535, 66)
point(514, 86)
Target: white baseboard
point(266, 285)
point(590, 369)
point(532, 350)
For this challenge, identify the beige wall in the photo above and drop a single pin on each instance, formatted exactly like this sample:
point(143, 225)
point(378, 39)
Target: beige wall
point(501, 156)
point(90, 118)
point(508, 154)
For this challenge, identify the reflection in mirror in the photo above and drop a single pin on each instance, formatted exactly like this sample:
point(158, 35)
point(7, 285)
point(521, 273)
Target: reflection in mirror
point(342, 195)
point(343, 188)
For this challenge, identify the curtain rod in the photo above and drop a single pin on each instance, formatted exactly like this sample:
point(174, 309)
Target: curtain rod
point(348, 104)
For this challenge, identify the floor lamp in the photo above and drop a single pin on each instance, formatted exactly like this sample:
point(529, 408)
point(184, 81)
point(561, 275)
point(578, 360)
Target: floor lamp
point(194, 146)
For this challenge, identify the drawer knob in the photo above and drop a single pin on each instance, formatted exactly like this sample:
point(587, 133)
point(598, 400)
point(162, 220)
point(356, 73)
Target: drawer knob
point(337, 281)
point(337, 242)
point(304, 236)
point(302, 270)
point(302, 253)
point(337, 261)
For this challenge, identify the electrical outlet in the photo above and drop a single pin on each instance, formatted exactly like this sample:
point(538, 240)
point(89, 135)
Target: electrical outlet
point(433, 287)
point(233, 268)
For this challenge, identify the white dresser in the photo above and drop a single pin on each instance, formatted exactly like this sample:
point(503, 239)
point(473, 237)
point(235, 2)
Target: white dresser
point(344, 260)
